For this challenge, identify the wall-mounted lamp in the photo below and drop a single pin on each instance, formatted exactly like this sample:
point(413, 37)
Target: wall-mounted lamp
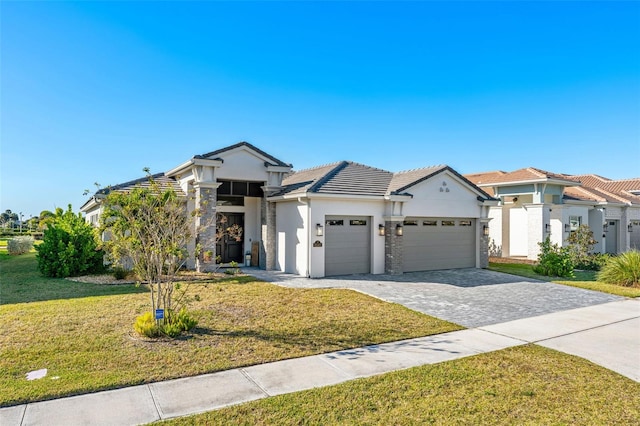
point(547, 228)
point(319, 230)
point(605, 227)
point(567, 227)
point(485, 230)
point(399, 230)
point(381, 230)
point(630, 227)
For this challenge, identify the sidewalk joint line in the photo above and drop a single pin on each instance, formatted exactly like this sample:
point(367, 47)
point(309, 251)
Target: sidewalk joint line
point(24, 413)
point(586, 329)
point(248, 377)
point(155, 403)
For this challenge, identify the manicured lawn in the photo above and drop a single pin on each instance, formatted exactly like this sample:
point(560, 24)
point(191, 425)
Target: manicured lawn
point(582, 279)
point(20, 281)
point(522, 385)
point(83, 334)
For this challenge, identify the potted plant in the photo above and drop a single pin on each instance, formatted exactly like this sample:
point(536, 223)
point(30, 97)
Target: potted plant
point(207, 256)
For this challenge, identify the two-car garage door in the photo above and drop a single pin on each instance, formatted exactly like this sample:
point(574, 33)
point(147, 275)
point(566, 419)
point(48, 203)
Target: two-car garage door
point(438, 243)
point(428, 244)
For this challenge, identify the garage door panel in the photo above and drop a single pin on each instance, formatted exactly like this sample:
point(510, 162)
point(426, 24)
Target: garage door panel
point(347, 245)
point(439, 247)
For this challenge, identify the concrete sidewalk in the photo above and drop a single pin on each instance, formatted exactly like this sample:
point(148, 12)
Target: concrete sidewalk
point(607, 334)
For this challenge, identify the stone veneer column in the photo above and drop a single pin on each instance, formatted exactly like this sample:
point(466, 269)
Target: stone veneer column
point(206, 197)
point(393, 249)
point(268, 234)
point(484, 244)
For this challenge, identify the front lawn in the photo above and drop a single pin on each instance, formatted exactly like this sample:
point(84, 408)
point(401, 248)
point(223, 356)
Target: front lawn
point(582, 279)
point(83, 335)
point(521, 385)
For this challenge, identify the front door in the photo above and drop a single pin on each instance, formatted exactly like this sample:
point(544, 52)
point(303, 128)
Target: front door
point(229, 249)
point(612, 237)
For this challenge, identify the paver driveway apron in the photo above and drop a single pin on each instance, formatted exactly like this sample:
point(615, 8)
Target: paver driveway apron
point(469, 297)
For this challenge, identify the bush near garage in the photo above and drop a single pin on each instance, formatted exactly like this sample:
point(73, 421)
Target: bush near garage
point(554, 261)
point(623, 269)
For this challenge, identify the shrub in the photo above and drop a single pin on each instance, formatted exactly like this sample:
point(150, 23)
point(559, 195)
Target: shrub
point(69, 247)
point(145, 325)
point(623, 269)
point(119, 273)
point(172, 325)
point(581, 244)
point(553, 261)
point(19, 245)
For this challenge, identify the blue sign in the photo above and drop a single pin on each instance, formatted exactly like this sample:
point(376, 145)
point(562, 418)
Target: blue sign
point(159, 314)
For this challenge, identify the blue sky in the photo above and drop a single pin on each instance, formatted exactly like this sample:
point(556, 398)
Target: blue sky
point(96, 91)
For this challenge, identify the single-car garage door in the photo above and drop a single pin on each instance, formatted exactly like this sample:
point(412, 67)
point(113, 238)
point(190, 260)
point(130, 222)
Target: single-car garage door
point(347, 245)
point(438, 243)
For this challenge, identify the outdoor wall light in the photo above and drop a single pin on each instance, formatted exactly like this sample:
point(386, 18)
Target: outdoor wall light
point(319, 230)
point(381, 230)
point(630, 227)
point(567, 227)
point(547, 228)
point(605, 227)
point(399, 230)
point(485, 230)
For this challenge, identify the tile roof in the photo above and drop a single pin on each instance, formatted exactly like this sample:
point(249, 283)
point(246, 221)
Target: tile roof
point(143, 182)
point(402, 180)
point(345, 177)
point(521, 175)
point(349, 178)
point(273, 159)
point(591, 187)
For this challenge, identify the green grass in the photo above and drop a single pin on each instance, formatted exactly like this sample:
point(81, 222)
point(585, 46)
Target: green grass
point(522, 385)
point(83, 333)
point(582, 279)
point(20, 282)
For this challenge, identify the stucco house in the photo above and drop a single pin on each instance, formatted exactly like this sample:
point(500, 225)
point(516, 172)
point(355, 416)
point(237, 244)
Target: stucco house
point(335, 219)
point(535, 204)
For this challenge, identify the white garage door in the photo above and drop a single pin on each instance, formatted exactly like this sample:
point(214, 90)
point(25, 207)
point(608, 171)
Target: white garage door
point(438, 243)
point(347, 245)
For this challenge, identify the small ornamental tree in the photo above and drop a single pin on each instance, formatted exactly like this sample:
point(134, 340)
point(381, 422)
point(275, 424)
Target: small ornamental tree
point(148, 229)
point(581, 244)
point(69, 247)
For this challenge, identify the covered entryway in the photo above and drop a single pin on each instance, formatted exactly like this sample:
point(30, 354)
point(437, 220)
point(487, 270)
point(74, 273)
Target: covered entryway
point(439, 243)
point(347, 245)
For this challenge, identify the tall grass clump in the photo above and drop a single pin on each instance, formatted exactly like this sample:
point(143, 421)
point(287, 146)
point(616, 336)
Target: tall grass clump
point(19, 245)
point(623, 269)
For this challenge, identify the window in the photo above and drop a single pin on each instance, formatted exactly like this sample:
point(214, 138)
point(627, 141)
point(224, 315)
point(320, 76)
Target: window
point(465, 223)
point(410, 223)
point(335, 222)
point(575, 222)
point(240, 188)
point(430, 223)
point(255, 189)
point(448, 223)
point(355, 222)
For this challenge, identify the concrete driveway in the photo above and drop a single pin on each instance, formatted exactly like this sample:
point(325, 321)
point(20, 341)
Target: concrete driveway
point(469, 297)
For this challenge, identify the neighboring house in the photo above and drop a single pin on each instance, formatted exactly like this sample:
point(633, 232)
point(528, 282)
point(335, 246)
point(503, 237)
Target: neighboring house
point(336, 219)
point(535, 204)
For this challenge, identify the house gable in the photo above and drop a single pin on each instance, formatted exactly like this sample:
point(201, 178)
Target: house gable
point(443, 194)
